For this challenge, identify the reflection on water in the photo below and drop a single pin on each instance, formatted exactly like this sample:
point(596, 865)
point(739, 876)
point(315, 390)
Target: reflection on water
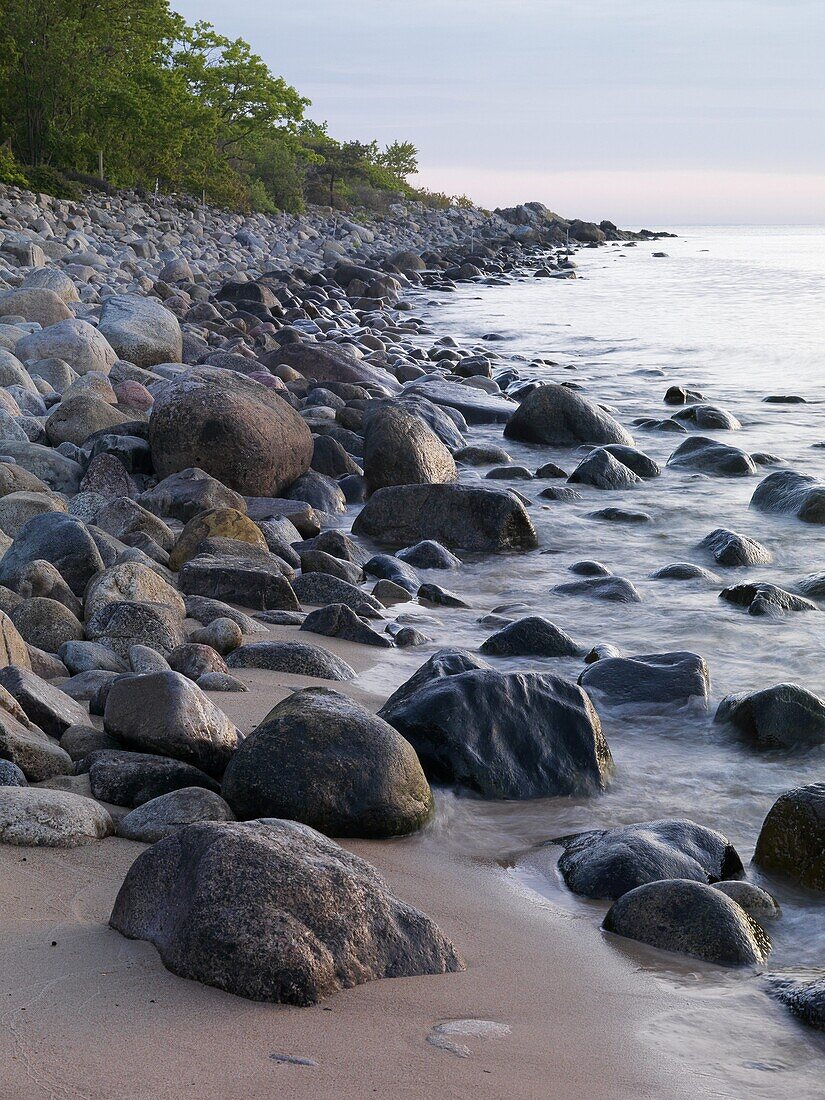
point(739, 314)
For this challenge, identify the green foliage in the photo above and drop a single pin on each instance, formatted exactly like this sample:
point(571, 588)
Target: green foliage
point(51, 182)
point(162, 101)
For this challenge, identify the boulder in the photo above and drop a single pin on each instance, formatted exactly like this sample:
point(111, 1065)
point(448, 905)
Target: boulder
point(11, 775)
point(222, 634)
point(42, 818)
point(184, 494)
point(320, 589)
point(60, 539)
point(233, 428)
point(705, 454)
point(683, 571)
point(805, 998)
point(76, 342)
point(762, 598)
point(661, 679)
point(75, 419)
point(399, 449)
point(132, 778)
point(757, 903)
point(504, 735)
point(141, 330)
point(131, 582)
point(428, 554)
point(607, 863)
point(615, 589)
point(46, 623)
point(690, 918)
point(330, 363)
point(17, 508)
point(88, 656)
point(559, 416)
point(708, 417)
point(227, 523)
point(127, 623)
point(474, 405)
point(35, 304)
point(792, 838)
point(46, 706)
point(164, 713)
point(320, 758)
point(300, 918)
point(336, 620)
point(788, 493)
point(13, 650)
point(733, 550)
point(194, 660)
point(603, 471)
point(532, 636)
point(316, 561)
point(57, 471)
point(162, 816)
point(38, 756)
point(778, 717)
point(255, 581)
point(294, 657)
point(459, 516)
point(127, 521)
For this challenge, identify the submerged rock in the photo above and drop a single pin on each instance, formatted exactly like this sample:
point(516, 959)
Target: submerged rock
point(603, 471)
point(792, 839)
point(616, 589)
point(793, 494)
point(762, 598)
point(701, 453)
point(667, 679)
point(559, 416)
point(300, 918)
point(779, 717)
point(533, 636)
point(737, 551)
point(805, 998)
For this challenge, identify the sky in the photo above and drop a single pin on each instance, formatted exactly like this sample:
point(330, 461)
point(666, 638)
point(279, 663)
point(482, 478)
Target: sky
point(647, 112)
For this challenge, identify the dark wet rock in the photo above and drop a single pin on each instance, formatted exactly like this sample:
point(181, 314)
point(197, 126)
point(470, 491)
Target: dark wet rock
point(399, 449)
point(330, 362)
point(617, 589)
point(481, 455)
point(666, 679)
point(708, 417)
point(82, 740)
point(444, 662)
point(86, 686)
point(256, 582)
point(589, 569)
point(813, 585)
point(778, 717)
point(562, 494)
point(559, 416)
point(37, 755)
point(701, 453)
point(602, 652)
point(408, 636)
point(295, 657)
point(683, 571)
point(603, 471)
point(765, 458)
point(49, 708)
point(338, 545)
point(509, 473)
point(620, 515)
point(533, 636)
point(320, 589)
point(306, 918)
point(789, 493)
point(757, 903)
point(11, 775)
point(392, 568)
point(60, 539)
point(429, 554)
point(165, 713)
point(330, 458)
point(437, 596)
point(690, 918)
point(316, 561)
point(320, 758)
point(193, 659)
point(475, 406)
point(681, 395)
point(233, 428)
point(637, 461)
point(459, 516)
point(445, 422)
point(550, 469)
point(762, 598)
point(792, 839)
point(336, 620)
point(319, 491)
point(805, 998)
point(388, 593)
point(122, 625)
point(734, 550)
point(132, 778)
point(606, 863)
point(504, 735)
point(162, 816)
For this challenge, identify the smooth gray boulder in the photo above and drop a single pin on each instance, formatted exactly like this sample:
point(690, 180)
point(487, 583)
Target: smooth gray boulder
point(789, 493)
point(23, 743)
point(690, 918)
point(458, 516)
point(330, 362)
point(295, 657)
point(475, 406)
point(60, 539)
point(141, 330)
point(299, 918)
point(160, 817)
point(43, 818)
point(734, 550)
point(320, 589)
point(761, 598)
point(428, 554)
point(532, 636)
point(607, 863)
point(699, 452)
point(560, 417)
point(779, 717)
point(791, 841)
point(45, 705)
point(132, 778)
point(603, 470)
point(805, 998)
point(320, 758)
point(336, 620)
point(60, 473)
point(399, 449)
point(659, 679)
point(184, 494)
point(127, 623)
point(81, 345)
point(615, 589)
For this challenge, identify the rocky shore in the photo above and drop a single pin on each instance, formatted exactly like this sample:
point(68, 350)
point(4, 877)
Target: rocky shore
point(233, 464)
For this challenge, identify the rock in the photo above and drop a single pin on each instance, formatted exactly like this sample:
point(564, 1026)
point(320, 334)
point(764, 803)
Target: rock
point(761, 598)
point(253, 580)
point(320, 589)
point(509, 473)
point(222, 635)
point(127, 521)
point(306, 918)
point(388, 593)
point(74, 341)
point(701, 453)
point(330, 458)
point(459, 516)
point(475, 406)
point(75, 419)
point(391, 568)
point(729, 548)
point(813, 585)
point(81, 740)
point(436, 596)
point(205, 611)
point(322, 493)
point(37, 817)
point(690, 918)
point(709, 417)
point(185, 494)
point(336, 620)
point(107, 476)
point(683, 571)
point(14, 479)
point(35, 304)
point(429, 554)
point(39, 757)
point(57, 538)
point(330, 363)
point(194, 660)
point(667, 679)
point(13, 649)
point(805, 999)
point(294, 657)
point(680, 395)
point(46, 706)
point(620, 515)
point(559, 416)
point(778, 717)
point(504, 735)
point(122, 625)
point(132, 778)
point(316, 561)
point(533, 636)
point(141, 330)
point(40, 578)
point(757, 903)
point(612, 588)
point(46, 623)
point(86, 656)
point(607, 863)
point(637, 461)
point(789, 493)
point(320, 758)
point(16, 509)
point(131, 582)
point(165, 713)
point(11, 775)
point(792, 839)
point(57, 471)
point(231, 427)
point(162, 816)
point(228, 523)
point(485, 454)
point(601, 470)
point(399, 449)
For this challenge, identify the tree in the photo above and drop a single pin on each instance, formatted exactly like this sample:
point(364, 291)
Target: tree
point(400, 158)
